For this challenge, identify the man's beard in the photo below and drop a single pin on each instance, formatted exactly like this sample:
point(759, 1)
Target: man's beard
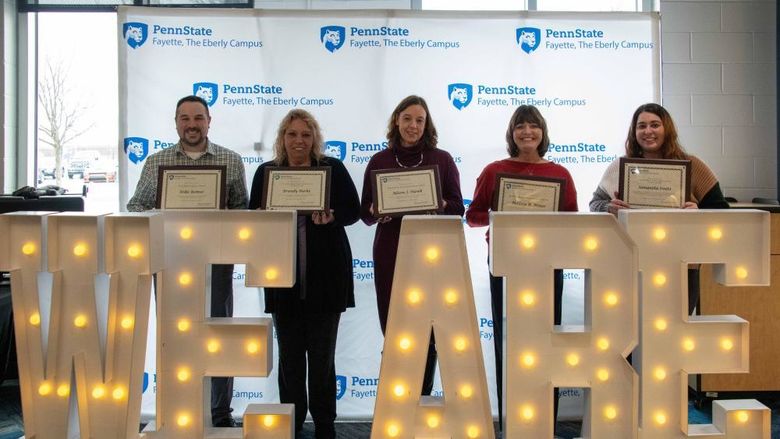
point(199, 140)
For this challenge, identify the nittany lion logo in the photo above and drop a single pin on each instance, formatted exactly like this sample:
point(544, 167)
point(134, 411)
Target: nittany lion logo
point(336, 149)
point(460, 95)
point(341, 386)
point(136, 148)
point(135, 34)
point(528, 38)
point(206, 90)
point(332, 37)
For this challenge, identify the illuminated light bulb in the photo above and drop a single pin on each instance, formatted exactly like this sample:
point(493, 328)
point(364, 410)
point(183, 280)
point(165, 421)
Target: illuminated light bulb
point(741, 272)
point(528, 360)
point(450, 297)
point(185, 279)
point(743, 416)
point(610, 298)
point(572, 359)
point(466, 391)
point(269, 421)
point(610, 412)
point(460, 344)
point(527, 242)
point(134, 251)
point(659, 417)
point(63, 390)
point(80, 249)
point(253, 347)
point(212, 346)
point(405, 343)
point(603, 343)
point(659, 373)
point(602, 374)
point(185, 233)
point(661, 324)
point(413, 297)
point(659, 234)
point(433, 421)
point(393, 429)
point(688, 344)
point(44, 389)
point(727, 344)
point(244, 234)
point(659, 279)
point(127, 322)
point(183, 325)
point(80, 321)
point(399, 390)
point(591, 244)
point(183, 374)
point(118, 393)
point(527, 299)
point(98, 392)
point(472, 432)
point(715, 233)
point(271, 273)
point(28, 248)
point(35, 319)
point(527, 412)
point(432, 254)
point(183, 420)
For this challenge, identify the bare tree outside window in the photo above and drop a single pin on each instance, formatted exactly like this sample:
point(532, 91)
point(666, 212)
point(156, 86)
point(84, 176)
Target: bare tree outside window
point(61, 113)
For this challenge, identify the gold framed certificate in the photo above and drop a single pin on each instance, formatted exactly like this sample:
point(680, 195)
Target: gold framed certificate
point(191, 187)
point(304, 189)
point(399, 192)
point(527, 193)
point(648, 183)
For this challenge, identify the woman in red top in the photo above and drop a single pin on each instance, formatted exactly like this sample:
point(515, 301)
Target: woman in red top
point(527, 142)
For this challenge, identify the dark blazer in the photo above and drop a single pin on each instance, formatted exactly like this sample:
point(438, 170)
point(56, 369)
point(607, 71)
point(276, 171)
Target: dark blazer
point(329, 282)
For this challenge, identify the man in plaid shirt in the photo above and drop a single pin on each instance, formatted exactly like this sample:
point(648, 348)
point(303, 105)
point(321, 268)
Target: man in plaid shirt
point(195, 149)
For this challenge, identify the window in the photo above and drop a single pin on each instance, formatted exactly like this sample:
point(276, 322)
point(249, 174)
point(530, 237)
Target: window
point(77, 105)
point(538, 5)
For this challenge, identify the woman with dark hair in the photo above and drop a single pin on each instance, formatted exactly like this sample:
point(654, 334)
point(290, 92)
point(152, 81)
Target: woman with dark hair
point(412, 142)
point(652, 135)
point(306, 316)
point(527, 142)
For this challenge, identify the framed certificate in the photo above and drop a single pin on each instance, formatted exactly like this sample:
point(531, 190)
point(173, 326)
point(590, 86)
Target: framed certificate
point(648, 183)
point(305, 189)
point(191, 187)
point(527, 193)
point(403, 191)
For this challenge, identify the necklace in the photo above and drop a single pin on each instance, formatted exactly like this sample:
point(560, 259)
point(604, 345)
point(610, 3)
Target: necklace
point(410, 166)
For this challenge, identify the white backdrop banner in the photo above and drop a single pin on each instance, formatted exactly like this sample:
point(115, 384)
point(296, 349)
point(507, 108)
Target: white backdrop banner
point(586, 73)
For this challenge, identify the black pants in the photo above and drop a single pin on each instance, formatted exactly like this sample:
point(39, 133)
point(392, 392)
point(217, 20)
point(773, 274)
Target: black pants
point(221, 306)
point(308, 337)
point(497, 306)
point(693, 290)
point(430, 361)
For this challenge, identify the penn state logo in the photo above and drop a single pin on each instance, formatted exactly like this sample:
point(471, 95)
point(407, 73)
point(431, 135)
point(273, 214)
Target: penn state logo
point(146, 382)
point(460, 95)
point(206, 90)
point(341, 386)
point(135, 34)
point(333, 37)
point(336, 149)
point(136, 148)
point(528, 38)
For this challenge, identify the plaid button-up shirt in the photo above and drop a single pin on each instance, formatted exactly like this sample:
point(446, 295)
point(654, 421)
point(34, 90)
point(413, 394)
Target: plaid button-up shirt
point(145, 197)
